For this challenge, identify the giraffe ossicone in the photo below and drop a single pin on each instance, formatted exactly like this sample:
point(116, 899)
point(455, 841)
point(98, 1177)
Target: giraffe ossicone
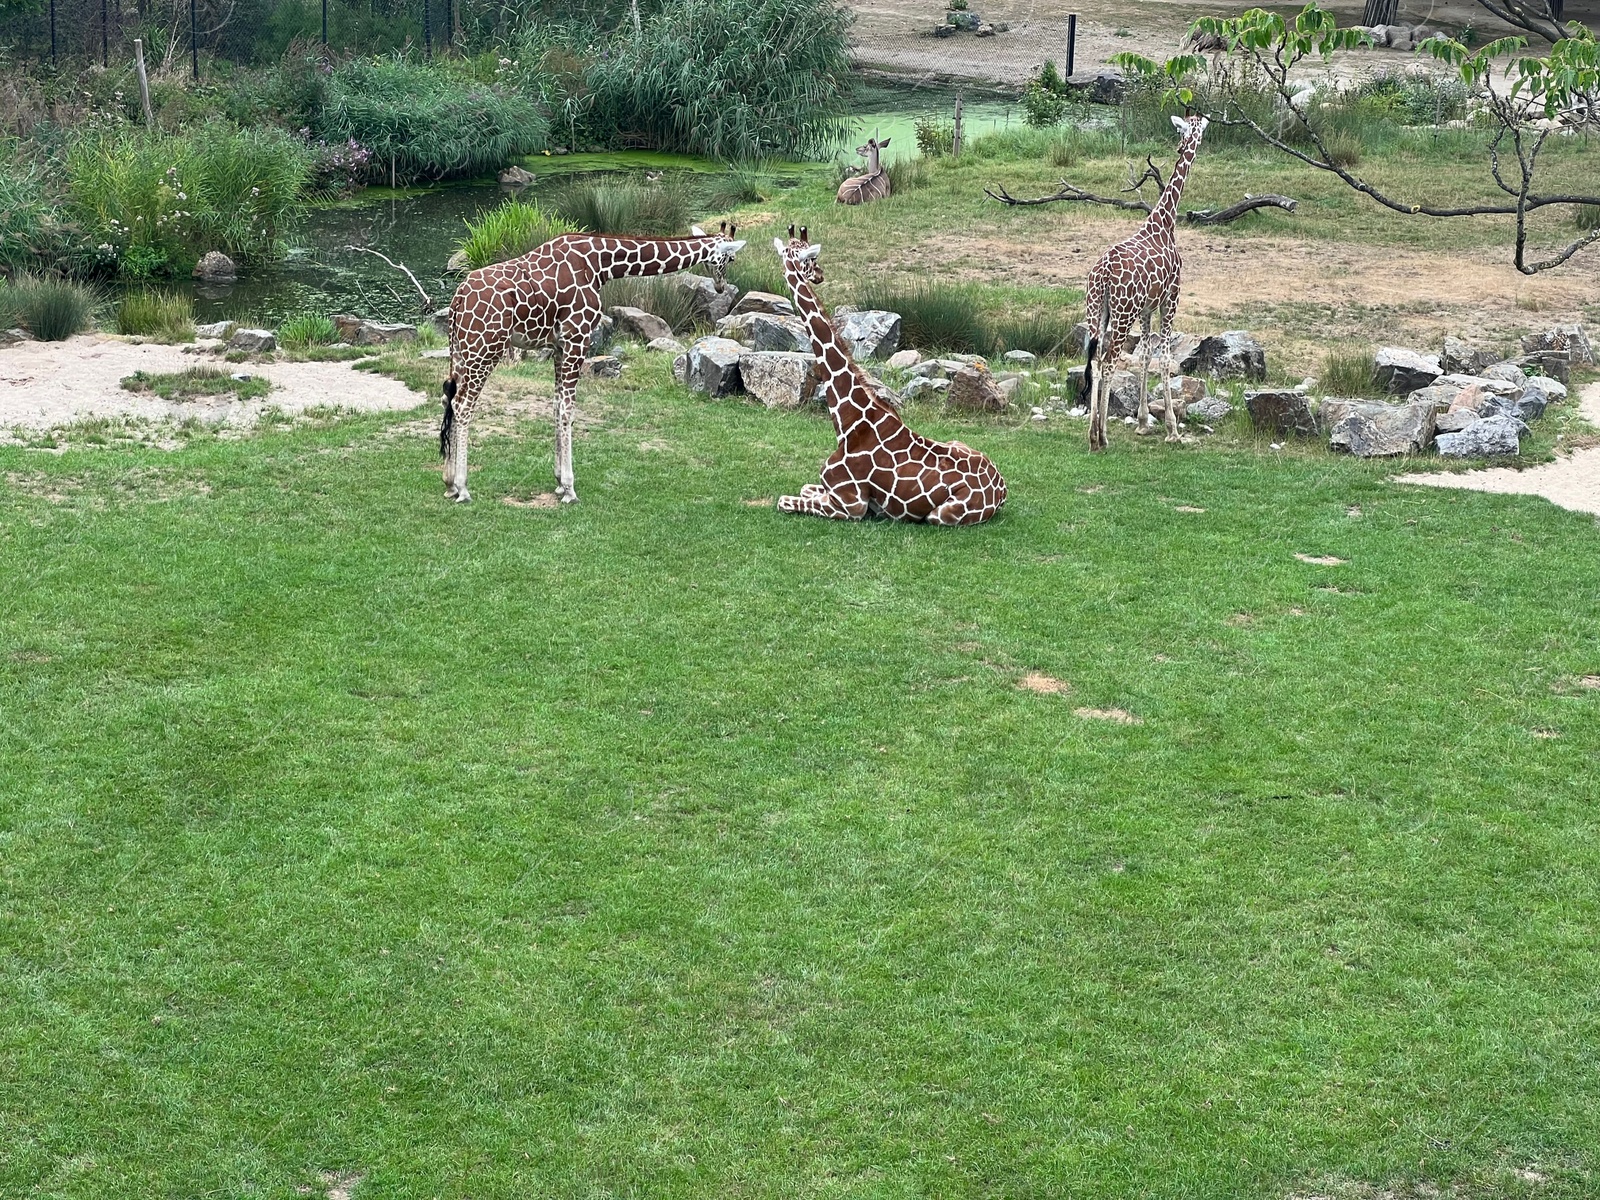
point(1139, 275)
point(551, 297)
point(879, 466)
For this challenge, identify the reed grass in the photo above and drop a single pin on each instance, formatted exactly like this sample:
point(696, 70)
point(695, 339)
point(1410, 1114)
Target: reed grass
point(510, 231)
point(164, 315)
point(934, 317)
point(655, 294)
point(305, 330)
point(50, 309)
point(1347, 371)
point(625, 207)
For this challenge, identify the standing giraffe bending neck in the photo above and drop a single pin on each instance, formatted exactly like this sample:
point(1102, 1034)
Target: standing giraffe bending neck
point(1132, 278)
point(880, 466)
point(549, 297)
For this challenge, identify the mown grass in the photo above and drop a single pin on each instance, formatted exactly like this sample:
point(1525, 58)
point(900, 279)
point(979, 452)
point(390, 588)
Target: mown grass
point(666, 846)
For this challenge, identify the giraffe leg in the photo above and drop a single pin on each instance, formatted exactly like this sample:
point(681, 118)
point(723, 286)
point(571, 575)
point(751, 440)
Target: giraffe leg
point(1101, 412)
point(844, 502)
point(569, 365)
point(468, 388)
point(1169, 342)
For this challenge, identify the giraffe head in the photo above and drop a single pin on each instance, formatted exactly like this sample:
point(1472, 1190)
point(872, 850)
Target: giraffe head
point(801, 255)
point(1190, 130)
point(722, 251)
point(871, 152)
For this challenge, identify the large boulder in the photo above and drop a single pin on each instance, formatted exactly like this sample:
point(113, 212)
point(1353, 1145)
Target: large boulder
point(1400, 372)
point(1124, 398)
point(922, 385)
point(1509, 372)
point(515, 176)
point(1107, 86)
point(870, 333)
point(974, 389)
point(1369, 430)
point(1208, 410)
point(253, 341)
point(710, 305)
point(217, 329)
point(764, 331)
point(1454, 421)
point(358, 331)
point(1281, 412)
point(1537, 394)
point(1570, 338)
point(779, 378)
point(763, 302)
point(1557, 364)
point(1482, 439)
point(634, 324)
point(1230, 355)
point(1461, 359)
point(712, 366)
point(215, 267)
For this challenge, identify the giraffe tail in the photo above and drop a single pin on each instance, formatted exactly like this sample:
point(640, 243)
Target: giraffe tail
point(449, 422)
point(1086, 389)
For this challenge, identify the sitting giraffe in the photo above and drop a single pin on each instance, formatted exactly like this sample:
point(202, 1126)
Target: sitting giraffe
point(1131, 278)
point(880, 466)
point(874, 185)
point(550, 297)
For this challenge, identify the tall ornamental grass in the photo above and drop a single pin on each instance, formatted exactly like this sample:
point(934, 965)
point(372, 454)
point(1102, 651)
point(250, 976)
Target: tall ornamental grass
point(612, 207)
point(50, 309)
point(510, 231)
point(28, 229)
point(164, 315)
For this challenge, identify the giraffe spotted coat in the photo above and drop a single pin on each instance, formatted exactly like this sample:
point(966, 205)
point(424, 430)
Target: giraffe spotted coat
point(549, 297)
point(880, 466)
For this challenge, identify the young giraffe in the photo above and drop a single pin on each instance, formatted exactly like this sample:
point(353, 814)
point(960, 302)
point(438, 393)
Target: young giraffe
point(880, 465)
point(550, 297)
point(1130, 279)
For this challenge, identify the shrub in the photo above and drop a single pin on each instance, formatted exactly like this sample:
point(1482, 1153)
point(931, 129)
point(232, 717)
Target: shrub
point(655, 295)
point(50, 309)
point(1041, 107)
point(1347, 371)
point(935, 136)
point(1044, 334)
point(933, 316)
point(611, 207)
point(510, 231)
point(305, 330)
point(28, 230)
point(165, 315)
point(425, 122)
point(1063, 153)
point(741, 184)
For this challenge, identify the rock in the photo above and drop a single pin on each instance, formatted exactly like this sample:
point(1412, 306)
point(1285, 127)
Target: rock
point(1458, 358)
point(922, 385)
point(1078, 339)
point(962, 19)
point(870, 333)
point(253, 341)
point(1209, 410)
point(901, 360)
point(1008, 388)
point(973, 389)
point(1455, 421)
point(358, 331)
point(1281, 412)
point(763, 331)
point(1123, 400)
point(441, 320)
point(441, 353)
point(1553, 389)
point(779, 378)
point(637, 325)
point(603, 366)
point(1369, 430)
point(709, 304)
point(984, 30)
point(763, 302)
point(198, 346)
point(1440, 395)
point(515, 176)
point(883, 391)
point(458, 263)
point(215, 267)
point(943, 31)
point(1103, 87)
point(680, 367)
point(218, 329)
point(666, 345)
point(15, 336)
point(1538, 393)
point(1557, 364)
point(1400, 372)
point(605, 331)
point(1570, 338)
point(1021, 356)
point(1230, 355)
point(1481, 439)
point(1506, 371)
point(712, 366)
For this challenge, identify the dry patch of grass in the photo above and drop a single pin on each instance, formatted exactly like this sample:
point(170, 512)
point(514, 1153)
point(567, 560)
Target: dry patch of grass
point(542, 500)
point(1120, 716)
point(1321, 560)
point(1044, 685)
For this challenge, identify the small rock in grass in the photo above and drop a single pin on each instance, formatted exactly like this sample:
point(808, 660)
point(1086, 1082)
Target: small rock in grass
point(666, 345)
point(253, 341)
point(902, 360)
point(603, 366)
point(1020, 356)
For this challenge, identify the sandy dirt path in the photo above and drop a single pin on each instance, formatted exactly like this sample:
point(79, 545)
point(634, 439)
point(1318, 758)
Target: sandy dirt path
point(1572, 482)
point(44, 385)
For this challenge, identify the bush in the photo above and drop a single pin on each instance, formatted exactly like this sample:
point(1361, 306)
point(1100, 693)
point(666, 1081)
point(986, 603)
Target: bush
point(654, 294)
point(1347, 371)
point(609, 207)
point(426, 122)
point(166, 316)
point(1344, 149)
point(935, 136)
point(510, 231)
point(50, 309)
point(1063, 153)
point(1042, 108)
point(28, 230)
point(937, 317)
point(1043, 334)
point(305, 330)
point(741, 185)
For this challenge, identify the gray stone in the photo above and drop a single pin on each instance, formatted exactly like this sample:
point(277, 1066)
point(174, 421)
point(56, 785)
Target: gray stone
point(1103, 87)
point(973, 389)
point(712, 366)
point(1455, 422)
point(883, 391)
point(870, 334)
point(15, 336)
point(360, 332)
point(603, 366)
point(1123, 397)
point(666, 345)
point(441, 320)
point(1210, 410)
point(763, 302)
point(605, 332)
point(962, 19)
point(984, 30)
point(1230, 355)
point(764, 331)
point(1507, 371)
point(921, 385)
point(1440, 395)
point(1481, 439)
point(1008, 388)
point(514, 176)
point(1538, 393)
point(1400, 372)
point(777, 378)
point(1570, 338)
point(710, 305)
point(1078, 339)
point(1021, 356)
point(680, 368)
point(215, 267)
point(253, 341)
point(218, 329)
point(637, 325)
point(1460, 358)
point(1281, 412)
point(1555, 363)
point(902, 360)
point(1553, 389)
point(1369, 430)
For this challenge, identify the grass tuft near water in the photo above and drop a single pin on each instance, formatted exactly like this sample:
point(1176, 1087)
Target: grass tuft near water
point(166, 316)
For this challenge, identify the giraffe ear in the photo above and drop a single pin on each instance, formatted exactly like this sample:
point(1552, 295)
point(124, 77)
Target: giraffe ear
point(1179, 124)
point(809, 254)
point(777, 244)
point(733, 247)
point(697, 231)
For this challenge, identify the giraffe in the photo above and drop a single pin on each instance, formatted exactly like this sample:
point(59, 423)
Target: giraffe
point(550, 297)
point(880, 465)
point(1131, 278)
point(874, 185)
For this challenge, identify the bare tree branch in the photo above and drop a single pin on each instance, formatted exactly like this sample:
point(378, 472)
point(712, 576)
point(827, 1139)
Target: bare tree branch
point(1202, 216)
point(1206, 216)
point(427, 300)
point(1535, 17)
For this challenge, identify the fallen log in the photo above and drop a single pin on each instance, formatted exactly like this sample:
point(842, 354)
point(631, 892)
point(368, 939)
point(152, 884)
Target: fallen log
point(1197, 216)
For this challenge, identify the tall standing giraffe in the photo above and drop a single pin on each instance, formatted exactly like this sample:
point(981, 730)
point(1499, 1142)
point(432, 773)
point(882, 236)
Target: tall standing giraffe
point(1132, 278)
point(550, 297)
point(880, 465)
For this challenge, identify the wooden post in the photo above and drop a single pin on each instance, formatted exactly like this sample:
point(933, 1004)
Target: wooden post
point(955, 138)
point(1072, 41)
point(144, 83)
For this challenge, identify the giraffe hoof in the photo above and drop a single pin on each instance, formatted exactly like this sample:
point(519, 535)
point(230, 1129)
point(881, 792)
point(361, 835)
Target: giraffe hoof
point(569, 497)
point(462, 497)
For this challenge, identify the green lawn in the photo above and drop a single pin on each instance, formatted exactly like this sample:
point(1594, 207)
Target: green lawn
point(667, 847)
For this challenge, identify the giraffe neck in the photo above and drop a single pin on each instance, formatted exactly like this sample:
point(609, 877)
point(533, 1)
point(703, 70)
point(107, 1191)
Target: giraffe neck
point(1164, 216)
point(615, 257)
point(847, 403)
